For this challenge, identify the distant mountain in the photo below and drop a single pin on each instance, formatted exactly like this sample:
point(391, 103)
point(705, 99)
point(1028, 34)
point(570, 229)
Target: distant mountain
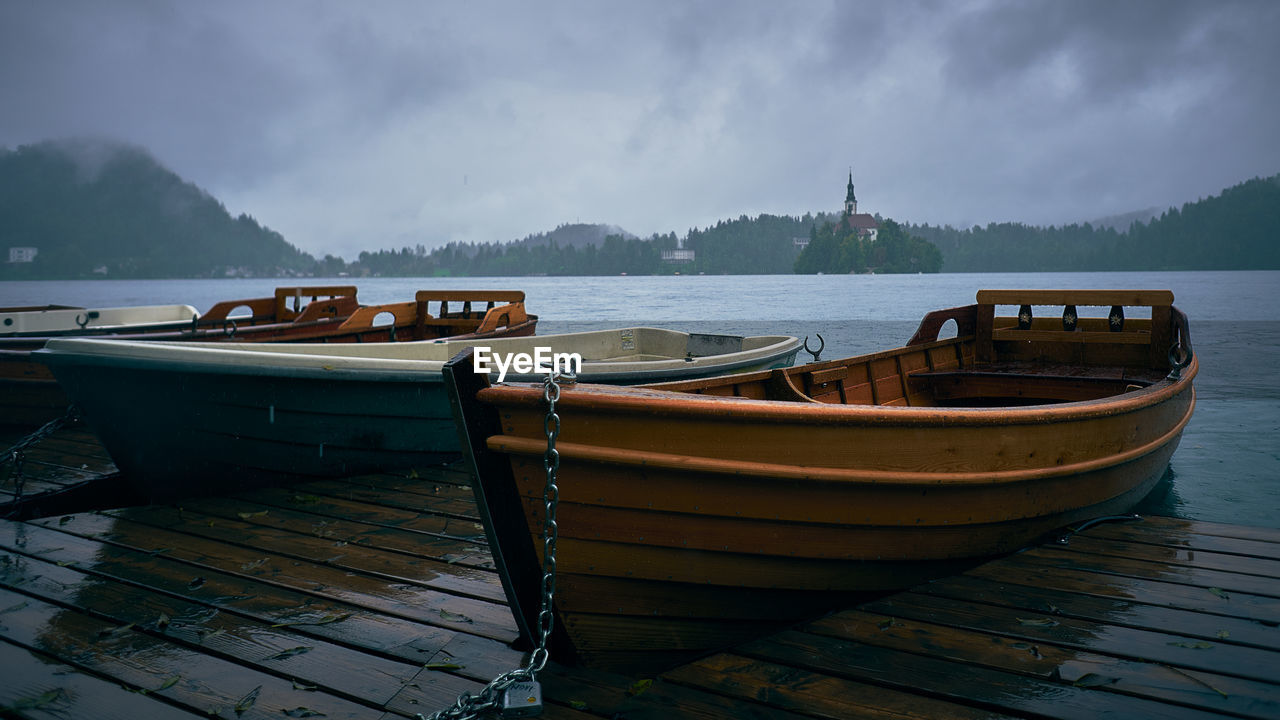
point(95, 208)
point(1122, 222)
point(575, 235)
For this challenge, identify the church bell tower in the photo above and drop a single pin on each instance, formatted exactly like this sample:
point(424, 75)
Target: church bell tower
point(850, 200)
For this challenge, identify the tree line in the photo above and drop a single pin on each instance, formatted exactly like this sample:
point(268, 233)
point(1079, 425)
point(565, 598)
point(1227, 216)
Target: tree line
point(94, 209)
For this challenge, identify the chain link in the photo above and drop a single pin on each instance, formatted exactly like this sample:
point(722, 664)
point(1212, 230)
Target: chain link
point(489, 699)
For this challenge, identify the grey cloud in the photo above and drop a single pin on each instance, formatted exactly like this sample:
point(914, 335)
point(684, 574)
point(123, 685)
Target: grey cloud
point(351, 126)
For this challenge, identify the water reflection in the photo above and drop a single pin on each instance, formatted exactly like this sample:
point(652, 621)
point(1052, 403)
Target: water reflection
point(1163, 499)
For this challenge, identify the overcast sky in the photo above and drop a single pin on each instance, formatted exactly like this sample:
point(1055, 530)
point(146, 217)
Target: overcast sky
point(349, 126)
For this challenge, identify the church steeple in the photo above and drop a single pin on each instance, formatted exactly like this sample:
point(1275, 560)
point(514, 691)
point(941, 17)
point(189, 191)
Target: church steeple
point(850, 200)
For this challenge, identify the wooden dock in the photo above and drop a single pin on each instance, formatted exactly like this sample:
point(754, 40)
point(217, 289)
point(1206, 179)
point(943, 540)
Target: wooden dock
point(375, 597)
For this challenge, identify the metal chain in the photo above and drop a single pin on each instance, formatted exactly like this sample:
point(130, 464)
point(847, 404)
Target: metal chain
point(17, 453)
point(489, 699)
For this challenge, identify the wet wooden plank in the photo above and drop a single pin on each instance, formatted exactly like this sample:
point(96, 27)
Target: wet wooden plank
point(448, 539)
point(37, 686)
point(1113, 610)
point(812, 693)
point(310, 660)
point(961, 683)
point(1232, 582)
point(347, 510)
point(1248, 542)
point(647, 698)
point(140, 661)
point(1180, 650)
point(1177, 556)
point(234, 526)
point(1044, 655)
point(1174, 595)
point(1176, 527)
point(191, 557)
point(273, 603)
point(391, 492)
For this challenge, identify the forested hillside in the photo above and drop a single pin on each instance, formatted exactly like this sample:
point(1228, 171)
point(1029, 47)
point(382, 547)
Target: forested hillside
point(102, 209)
point(99, 209)
point(836, 249)
point(1236, 230)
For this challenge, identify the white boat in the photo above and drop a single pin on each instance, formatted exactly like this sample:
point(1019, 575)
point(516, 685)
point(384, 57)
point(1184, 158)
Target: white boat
point(183, 418)
point(55, 319)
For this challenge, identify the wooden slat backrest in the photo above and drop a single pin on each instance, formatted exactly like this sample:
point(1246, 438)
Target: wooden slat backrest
point(317, 292)
point(1156, 337)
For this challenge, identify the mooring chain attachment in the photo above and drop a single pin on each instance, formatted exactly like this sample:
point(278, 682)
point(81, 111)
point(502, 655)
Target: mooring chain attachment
point(17, 454)
point(517, 693)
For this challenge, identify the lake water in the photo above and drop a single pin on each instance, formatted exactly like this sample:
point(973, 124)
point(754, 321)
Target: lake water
point(1227, 468)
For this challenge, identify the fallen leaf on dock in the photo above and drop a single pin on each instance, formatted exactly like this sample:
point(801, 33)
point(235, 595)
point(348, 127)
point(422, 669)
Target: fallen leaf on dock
point(639, 686)
point(33, 703)
point(289, 653)
point(301, 712)
point(168, 683)
point(1094, 680)
point(454, 617)
point(206, 635)
point(1220, 593)
point(115, 631)
point(247, 701)
point(247, 515)
point(1194, 646)
point(322, 621)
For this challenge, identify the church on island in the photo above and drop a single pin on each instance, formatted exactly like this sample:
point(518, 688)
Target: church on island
point(864, 224)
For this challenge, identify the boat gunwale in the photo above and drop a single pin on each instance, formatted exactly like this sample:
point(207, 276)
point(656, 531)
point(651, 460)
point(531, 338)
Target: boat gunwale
point(285, 360)
point(653, 401)
point(583, 452)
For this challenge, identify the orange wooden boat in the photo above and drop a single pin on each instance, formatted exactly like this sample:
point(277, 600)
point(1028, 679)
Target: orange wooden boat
point(292, 314)
point(694, 515)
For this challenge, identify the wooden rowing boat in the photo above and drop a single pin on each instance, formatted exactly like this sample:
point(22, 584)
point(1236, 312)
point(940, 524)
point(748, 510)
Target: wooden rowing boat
point(329, 314)
point(190, 418)
point(694, 515)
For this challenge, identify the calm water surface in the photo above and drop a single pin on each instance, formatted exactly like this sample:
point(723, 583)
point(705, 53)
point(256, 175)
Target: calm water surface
point(1227, 468)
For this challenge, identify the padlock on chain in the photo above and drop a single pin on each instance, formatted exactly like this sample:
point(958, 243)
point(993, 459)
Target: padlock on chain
point(522, 699)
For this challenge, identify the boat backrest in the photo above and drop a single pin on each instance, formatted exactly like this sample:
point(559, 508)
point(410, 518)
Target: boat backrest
point(475, 310)
point(403, 314)
point(289, 303)
point(464, 303)
point(277, 308)
point(1113, 340)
